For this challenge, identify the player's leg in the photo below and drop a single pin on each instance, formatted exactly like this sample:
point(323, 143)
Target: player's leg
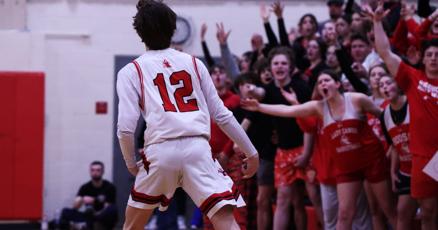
point(425, 189)
point(210, 188)
point(429, 210)
point(264, 206)
point(377, 176)
point(362, 219)
point(282, 207)
point(135, 218)
point(223, 219)
point(347, 196)
point(300, 215)
point(265, 193)
point(377, 215)
point(285, 174)
point(154, 184)
point(406, 205)
point(406, 209)
point(315, 197)
point(382, 193)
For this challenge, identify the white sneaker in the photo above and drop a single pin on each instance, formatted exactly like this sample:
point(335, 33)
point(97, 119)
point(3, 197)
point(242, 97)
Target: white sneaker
point(181, 223)
point(152, 224)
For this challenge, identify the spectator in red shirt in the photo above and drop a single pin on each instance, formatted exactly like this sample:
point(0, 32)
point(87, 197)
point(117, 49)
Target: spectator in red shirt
point(421, 87)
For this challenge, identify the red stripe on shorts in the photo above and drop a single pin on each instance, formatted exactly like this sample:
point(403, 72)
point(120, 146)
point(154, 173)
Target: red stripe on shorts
point(212, 200)
point(143, 198)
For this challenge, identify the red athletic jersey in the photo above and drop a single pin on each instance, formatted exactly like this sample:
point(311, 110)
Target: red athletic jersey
point(352, 142)
point(400, 140)
point(353, 145)
point(321, 158)
point(374, 122)
point(422, 94)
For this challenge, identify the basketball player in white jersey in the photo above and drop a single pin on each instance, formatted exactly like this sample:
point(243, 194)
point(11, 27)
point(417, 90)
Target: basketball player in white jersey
point(175, 95)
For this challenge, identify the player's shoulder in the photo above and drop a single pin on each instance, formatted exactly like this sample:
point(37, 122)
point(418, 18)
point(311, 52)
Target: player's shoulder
point(189, 61)
point(126, 70)
point(169, 54)
point(182, 56)
point(181, 53)
point(150, 54)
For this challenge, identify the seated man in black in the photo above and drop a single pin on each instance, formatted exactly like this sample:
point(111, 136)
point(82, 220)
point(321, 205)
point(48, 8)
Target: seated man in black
point(98, 198)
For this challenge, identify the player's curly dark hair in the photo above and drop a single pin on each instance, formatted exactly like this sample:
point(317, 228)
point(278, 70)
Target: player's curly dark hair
point(155, 23)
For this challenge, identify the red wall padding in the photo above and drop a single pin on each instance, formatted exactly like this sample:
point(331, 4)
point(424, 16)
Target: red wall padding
point(21, 145)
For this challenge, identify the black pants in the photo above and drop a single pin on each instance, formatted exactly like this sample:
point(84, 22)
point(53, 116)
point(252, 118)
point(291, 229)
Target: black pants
point(106, 217)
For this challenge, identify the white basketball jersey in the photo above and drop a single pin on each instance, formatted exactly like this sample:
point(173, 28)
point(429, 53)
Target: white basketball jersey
point(175, 95)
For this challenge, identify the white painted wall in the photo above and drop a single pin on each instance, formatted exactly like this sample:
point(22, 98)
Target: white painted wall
point(12, 14)
point(74, 42)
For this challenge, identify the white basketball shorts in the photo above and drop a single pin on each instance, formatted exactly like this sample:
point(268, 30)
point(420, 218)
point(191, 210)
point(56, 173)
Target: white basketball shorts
point(184, 162)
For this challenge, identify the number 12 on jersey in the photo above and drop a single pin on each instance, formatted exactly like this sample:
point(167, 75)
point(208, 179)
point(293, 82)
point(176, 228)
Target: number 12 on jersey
point(184, 91)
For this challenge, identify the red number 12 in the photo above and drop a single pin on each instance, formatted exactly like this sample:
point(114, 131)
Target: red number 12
point(184, 91)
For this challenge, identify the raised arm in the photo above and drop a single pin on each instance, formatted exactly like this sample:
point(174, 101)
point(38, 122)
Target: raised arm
point(425, 26)
point(278, 8)
point(383, 48)
point(345, 63)
point(399, 39)
point(205, 50)
point(264, 14)
point(230, 63)
point(303, 110)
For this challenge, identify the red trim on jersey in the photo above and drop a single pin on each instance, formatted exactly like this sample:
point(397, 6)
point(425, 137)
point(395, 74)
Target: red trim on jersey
point(146, 163)
point(144, 198)
point(212, 200)
point(196, 68)
point(140, 76)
